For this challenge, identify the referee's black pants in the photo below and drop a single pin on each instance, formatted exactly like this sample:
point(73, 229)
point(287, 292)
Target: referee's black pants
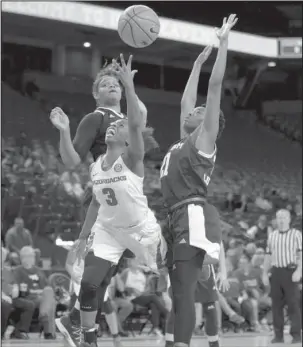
point(285, 292)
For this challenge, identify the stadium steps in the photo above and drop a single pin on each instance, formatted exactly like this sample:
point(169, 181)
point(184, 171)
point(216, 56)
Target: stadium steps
point(21, 114)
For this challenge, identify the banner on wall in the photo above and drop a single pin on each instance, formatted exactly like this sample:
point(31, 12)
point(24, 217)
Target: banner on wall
point(171, 29)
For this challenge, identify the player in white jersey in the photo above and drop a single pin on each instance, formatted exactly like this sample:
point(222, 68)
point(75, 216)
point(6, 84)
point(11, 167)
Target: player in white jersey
point(76, 269)
point(119, 217)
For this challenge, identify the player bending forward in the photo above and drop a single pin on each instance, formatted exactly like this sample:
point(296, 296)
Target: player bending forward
point(118, 216)
point(194, 225)
point(75, 269)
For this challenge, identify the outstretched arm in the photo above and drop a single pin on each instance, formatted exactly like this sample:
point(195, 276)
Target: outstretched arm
point(135, 150)
point(73, 152)
point(143, 112)
point(206, 134)
point(189, 97)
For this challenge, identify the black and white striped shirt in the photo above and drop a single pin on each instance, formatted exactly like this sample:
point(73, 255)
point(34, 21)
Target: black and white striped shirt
point(284, 247)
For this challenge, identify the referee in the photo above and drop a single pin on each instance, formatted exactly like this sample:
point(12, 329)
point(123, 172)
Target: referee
point(284, 257)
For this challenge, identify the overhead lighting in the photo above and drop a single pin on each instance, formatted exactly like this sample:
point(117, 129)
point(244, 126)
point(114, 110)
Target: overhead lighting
point(272, 64)
point(86, 44)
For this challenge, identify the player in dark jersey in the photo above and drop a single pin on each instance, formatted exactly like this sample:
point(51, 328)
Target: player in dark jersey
point(90, 137)
point(207, 294)
point(194, 225)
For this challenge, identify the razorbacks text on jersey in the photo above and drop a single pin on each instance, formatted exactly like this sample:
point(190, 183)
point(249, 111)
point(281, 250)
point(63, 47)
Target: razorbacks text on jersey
point(185, 172)
point(120, 194)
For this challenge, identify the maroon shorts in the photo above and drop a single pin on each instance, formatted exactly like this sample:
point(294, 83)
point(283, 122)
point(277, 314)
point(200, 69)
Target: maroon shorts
point(206, 291)
point(177, 230)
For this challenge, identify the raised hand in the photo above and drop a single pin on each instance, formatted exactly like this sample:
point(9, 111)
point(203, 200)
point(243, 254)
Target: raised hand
point(204, 55)
point(59, 119)
point(227, 25)
point(124, 71)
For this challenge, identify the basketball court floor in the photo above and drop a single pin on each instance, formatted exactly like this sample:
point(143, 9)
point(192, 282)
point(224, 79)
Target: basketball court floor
point(227, 340)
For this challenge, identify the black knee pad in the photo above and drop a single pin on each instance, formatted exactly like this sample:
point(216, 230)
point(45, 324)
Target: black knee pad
point(211, 319)
point(88, 297)
point(108, 307)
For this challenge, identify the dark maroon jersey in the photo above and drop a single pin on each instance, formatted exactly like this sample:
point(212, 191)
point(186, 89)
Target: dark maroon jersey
point(185, 172)
point(90, 135)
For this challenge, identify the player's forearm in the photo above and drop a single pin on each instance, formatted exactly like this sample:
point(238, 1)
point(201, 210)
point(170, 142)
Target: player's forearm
point(299, 261)
point(68, 153)
point(218, 71)
point(143, 111)
point(90, 220)
point(222, 263)
point(133, 108)
point(212, 115)
point(189, 97)
point(267, 263)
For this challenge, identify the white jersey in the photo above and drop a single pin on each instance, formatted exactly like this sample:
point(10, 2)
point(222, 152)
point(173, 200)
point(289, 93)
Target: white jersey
point(119, 191)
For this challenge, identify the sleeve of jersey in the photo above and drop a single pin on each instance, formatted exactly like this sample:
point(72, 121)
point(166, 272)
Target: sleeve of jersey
point(86, 133)
point(197, 157)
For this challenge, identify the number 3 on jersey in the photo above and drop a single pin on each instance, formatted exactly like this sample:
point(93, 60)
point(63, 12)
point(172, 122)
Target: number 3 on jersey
point(111, 197)
point(165, 164)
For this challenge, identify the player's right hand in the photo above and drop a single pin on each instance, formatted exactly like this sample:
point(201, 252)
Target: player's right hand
point(59, 119)
point(265, 280)
point(80, 248)
point(227, 25)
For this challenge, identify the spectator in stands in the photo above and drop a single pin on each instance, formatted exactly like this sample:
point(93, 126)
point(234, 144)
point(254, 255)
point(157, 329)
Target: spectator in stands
point(72, 183)
point(233, 303)
point(162, 286)
point(235, 201)
point(250, 250)
point(280, 199)
point(232, 315)
point(34, 163)
point(259, 232)
point(136, 290)
point(35, 292)
point(250, 280)
point(121, 303)
point(258, 258)
point(16, 238)
point(298, 206)
point(8, 291)
point(263, 203)
point(234, 252)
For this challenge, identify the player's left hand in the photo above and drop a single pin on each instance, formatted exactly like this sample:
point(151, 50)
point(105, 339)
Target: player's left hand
point(296, 276)
point(204, 55)
point(124, 71)
point(223, 282)
point(227, 25)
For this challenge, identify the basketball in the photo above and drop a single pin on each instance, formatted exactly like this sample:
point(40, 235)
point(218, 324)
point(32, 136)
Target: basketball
point(138, 26)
